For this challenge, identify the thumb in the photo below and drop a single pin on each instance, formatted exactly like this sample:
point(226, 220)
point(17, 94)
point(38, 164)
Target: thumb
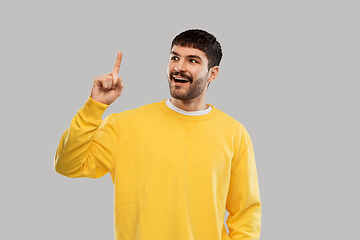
point(119, 85)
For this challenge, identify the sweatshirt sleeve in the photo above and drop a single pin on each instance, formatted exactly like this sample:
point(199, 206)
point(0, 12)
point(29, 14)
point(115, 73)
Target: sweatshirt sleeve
point(88, 146)
point(243, 202)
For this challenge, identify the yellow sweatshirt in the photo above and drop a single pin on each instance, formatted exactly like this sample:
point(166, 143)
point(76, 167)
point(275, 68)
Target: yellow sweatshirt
point(174, 175)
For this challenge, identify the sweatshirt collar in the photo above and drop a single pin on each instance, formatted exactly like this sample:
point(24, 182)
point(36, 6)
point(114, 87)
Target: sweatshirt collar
point(176, 114)
point(187, 113)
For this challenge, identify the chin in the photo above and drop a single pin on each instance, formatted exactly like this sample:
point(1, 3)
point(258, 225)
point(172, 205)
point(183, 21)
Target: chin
point(182, 97)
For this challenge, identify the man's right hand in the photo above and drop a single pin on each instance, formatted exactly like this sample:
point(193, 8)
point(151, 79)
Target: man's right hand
point(107, 88)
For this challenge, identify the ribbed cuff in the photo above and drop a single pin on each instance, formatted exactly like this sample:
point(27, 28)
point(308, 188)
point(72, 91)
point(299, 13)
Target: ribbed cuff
point(92, 110)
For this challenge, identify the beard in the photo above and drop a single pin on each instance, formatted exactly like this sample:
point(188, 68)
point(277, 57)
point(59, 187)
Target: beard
point(195, 88)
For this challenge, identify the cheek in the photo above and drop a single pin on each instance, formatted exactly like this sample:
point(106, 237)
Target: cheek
point(199, 71)
point(168, 71)
point(198, 74)
point(170, 68)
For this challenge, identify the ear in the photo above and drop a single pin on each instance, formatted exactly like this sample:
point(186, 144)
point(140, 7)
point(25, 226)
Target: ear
point(214, 71)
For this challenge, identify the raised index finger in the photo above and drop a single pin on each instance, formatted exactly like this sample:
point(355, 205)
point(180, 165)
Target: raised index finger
point(117, 63)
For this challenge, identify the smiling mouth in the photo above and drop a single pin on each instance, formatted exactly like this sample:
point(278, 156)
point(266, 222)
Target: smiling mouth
point(180, 80)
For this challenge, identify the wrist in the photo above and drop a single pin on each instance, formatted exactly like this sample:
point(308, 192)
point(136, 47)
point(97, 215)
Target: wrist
point(93, 110)
point(94, 99)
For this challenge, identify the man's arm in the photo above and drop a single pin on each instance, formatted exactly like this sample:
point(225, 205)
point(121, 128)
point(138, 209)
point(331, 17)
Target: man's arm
point(88, 146)
point(243, 202)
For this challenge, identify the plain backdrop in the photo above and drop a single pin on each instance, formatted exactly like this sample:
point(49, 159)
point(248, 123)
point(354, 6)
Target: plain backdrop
point(290, 75)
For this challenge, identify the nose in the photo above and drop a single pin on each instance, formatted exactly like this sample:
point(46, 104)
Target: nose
point(180, 66)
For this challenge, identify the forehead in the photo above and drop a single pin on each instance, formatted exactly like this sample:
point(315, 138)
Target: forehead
point(188, 51)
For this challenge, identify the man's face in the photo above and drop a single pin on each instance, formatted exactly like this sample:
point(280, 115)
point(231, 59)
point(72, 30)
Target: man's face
point(187, 73)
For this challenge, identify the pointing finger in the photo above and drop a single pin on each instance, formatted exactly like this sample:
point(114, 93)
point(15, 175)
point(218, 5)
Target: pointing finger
point(116, 69)
point(117, 63)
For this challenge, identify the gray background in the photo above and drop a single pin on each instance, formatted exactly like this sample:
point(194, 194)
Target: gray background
point(290, 74)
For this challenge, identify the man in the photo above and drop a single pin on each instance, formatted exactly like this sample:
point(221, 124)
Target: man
point(177, 164)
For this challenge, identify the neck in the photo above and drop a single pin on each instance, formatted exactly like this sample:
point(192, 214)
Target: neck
point(190, 105)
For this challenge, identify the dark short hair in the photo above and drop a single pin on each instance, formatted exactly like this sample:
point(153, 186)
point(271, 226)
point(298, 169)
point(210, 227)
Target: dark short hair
point(203, 41)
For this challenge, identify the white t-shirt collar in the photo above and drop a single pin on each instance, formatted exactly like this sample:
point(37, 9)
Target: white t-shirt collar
point(188, 113)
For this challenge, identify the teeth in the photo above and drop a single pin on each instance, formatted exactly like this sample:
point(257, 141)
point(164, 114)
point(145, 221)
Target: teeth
point(181, 79)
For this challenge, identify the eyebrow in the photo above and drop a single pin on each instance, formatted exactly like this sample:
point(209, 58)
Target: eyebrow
point(189, 56)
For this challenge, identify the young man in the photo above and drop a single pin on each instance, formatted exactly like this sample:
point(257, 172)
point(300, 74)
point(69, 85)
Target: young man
point(177, 164)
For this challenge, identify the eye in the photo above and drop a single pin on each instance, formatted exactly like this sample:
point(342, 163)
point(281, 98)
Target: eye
point(174, 58)
point(193, 60)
